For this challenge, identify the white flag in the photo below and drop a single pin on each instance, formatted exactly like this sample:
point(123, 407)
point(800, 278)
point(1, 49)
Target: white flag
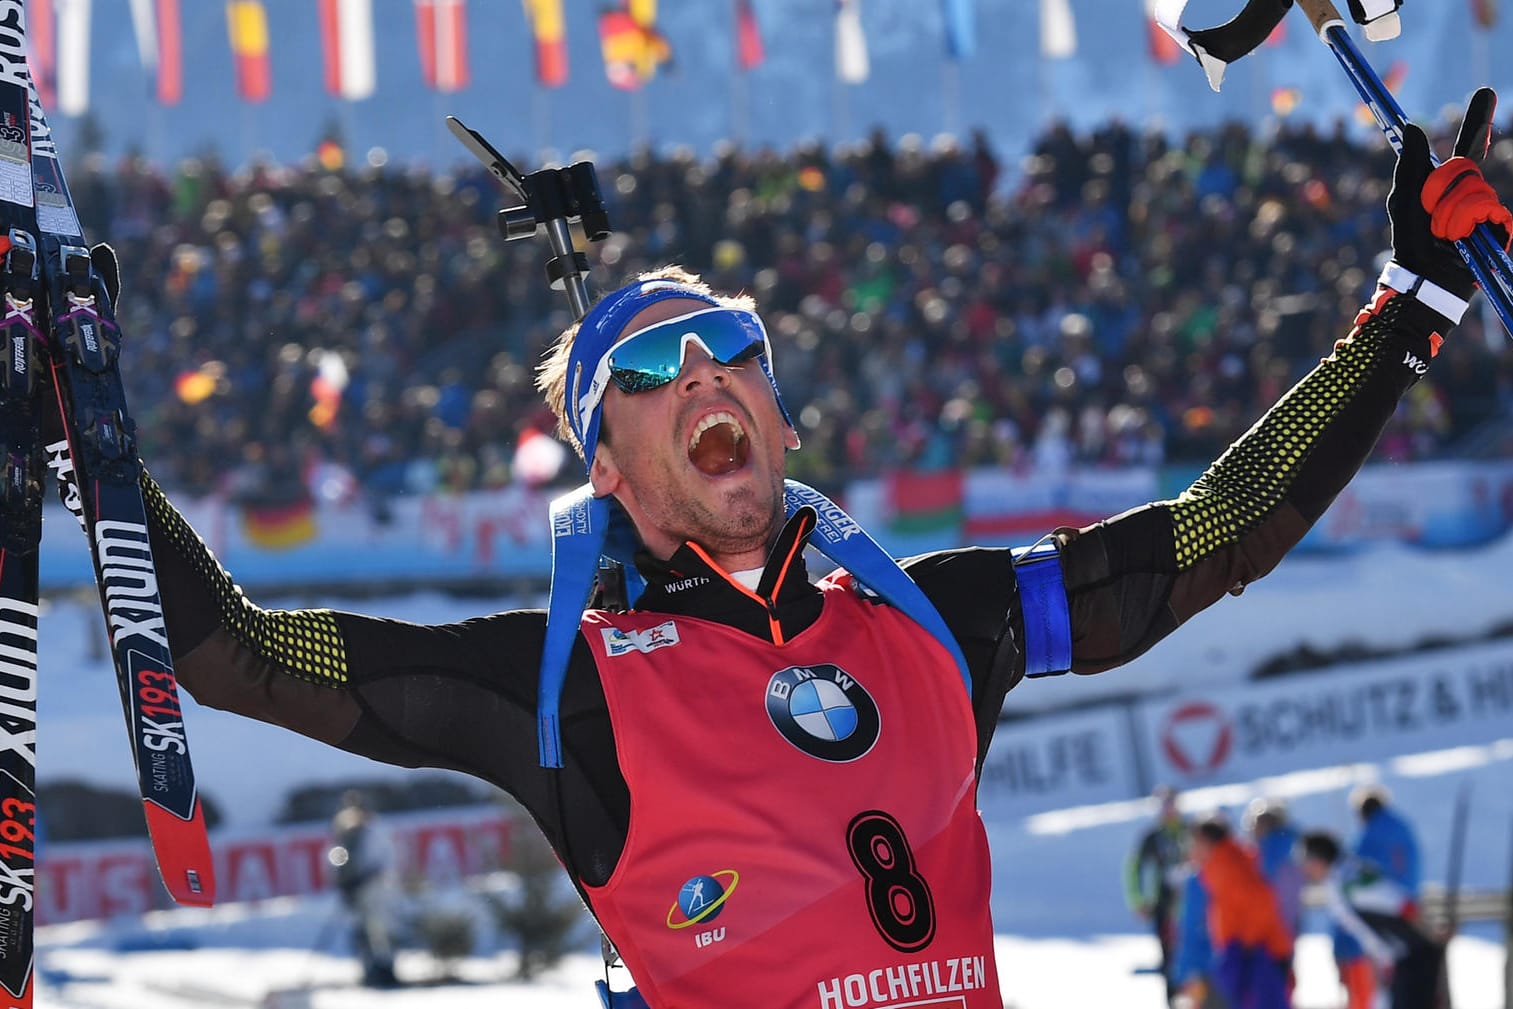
point(144, 21)
point(1058, 30)
point(851, 63)
point(73, 56)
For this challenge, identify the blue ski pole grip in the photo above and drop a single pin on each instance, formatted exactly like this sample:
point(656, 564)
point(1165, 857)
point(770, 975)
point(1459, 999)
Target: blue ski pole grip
point(580, 525)
point(1047, 615)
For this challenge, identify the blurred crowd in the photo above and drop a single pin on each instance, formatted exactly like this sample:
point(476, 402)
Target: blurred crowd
point(1114, 298)
point(1226, 903)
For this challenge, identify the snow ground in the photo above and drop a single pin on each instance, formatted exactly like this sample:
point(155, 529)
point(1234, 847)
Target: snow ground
point(1035, 974)
point(1066, 939)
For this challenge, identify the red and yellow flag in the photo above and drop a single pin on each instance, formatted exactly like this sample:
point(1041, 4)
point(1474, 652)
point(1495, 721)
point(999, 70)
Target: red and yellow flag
point(550, 32)
point(247, 23)
point(1484, 13)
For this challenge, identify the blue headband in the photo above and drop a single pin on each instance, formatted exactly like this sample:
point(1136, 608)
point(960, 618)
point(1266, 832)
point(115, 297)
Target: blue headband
point(600, 329)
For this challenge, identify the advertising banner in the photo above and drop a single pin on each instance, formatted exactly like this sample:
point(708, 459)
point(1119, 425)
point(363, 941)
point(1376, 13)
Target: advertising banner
point(1364, 712)
point(1055, 761)
point(108, 878)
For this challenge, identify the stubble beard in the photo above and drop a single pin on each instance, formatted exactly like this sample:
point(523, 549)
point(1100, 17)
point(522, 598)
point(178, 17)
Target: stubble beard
point(741, 521)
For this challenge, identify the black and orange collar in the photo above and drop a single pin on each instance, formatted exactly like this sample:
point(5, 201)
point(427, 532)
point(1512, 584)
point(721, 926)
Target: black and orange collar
point(690, 584)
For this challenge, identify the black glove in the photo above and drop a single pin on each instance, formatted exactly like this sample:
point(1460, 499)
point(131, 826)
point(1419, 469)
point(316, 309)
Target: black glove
point(1457, 198)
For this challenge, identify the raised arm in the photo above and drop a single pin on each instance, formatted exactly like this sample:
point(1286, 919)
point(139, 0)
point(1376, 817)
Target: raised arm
point(1135, 578)
point(459, 696)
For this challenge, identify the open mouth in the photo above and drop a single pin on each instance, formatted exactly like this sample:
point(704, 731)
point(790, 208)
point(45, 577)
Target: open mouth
point(718, 445)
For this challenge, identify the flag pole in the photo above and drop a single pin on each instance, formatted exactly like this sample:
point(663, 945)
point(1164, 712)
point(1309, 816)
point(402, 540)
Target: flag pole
point(344, 118)
point(840, 112)
point(1481, 56)
point(155, 134)
point(739, 112)
point(640, 124)
point(950, 96)
point(541, 118)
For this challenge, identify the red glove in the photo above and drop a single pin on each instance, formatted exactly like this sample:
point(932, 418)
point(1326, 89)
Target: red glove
point(1458, 198)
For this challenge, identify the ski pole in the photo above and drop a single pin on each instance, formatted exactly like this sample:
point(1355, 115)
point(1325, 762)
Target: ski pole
point(1483, 252)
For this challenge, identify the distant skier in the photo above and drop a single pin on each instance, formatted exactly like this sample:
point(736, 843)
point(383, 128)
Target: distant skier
point(362, 861)
point(1377, 913)
point(1152, 874)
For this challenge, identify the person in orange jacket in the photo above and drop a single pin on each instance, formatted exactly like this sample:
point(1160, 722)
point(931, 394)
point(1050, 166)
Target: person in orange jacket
point(1251, 942)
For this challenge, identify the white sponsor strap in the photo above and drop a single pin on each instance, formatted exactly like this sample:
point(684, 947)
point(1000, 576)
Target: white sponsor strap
point(1405, 281)
point(1168, 14)
point(1382, 21)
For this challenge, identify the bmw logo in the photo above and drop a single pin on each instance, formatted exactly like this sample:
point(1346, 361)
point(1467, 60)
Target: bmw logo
point(823, 711)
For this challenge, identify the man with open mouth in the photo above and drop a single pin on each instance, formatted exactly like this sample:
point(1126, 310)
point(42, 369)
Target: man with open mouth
point(764, 788)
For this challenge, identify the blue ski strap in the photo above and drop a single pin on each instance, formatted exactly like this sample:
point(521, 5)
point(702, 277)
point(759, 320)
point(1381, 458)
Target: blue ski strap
point(1046, 612)
point(839, 537)
point(584, 529)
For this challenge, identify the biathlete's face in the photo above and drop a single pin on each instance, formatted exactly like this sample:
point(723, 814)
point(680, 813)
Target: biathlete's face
point(698, 458)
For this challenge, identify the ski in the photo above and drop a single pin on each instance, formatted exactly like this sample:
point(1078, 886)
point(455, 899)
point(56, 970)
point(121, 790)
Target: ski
point(22, 405)
point(83, 343)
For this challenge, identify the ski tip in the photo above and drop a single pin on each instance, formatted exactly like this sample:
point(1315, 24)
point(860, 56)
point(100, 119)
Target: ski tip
point(183, 852)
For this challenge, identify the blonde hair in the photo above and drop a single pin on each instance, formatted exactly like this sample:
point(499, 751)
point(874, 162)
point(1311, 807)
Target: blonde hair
point(551, 373)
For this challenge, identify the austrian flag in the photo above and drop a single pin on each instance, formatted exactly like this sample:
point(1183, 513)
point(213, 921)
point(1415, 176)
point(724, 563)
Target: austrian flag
point(346, 34)
point(441, 26)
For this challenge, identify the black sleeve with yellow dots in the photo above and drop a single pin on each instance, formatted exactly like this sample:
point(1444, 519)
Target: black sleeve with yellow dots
point(1133, 579)
point(459, 696)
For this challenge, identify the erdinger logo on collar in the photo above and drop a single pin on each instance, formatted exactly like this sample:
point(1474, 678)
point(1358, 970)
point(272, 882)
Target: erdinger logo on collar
point(823, 711)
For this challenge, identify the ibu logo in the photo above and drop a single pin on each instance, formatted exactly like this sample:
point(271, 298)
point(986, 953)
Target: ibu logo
point(824, 711)
point(700, 901)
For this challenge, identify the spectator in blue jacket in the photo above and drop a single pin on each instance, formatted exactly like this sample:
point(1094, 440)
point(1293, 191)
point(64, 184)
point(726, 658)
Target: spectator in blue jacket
point(1386, 841)
point(1193, 963)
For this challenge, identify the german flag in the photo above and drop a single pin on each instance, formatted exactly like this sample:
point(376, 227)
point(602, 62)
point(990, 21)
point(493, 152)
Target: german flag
point(632, 50)
point(279, 527)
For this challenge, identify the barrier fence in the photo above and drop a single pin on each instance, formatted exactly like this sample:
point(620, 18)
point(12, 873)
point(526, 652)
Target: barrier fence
point(441, 539)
